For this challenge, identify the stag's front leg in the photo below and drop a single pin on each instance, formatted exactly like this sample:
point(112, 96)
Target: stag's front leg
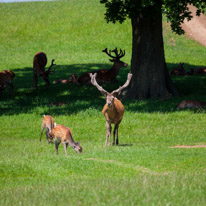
point(115, 132)
point(35, 80)
point(117, 140)
point(108, 126)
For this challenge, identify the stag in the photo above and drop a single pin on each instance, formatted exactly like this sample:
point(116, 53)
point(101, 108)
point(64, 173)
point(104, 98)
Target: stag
point(39, 63)
point(113, 110)
point(103, 75)
point(62, 134)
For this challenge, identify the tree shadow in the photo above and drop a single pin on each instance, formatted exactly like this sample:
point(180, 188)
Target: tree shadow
point(80, 98)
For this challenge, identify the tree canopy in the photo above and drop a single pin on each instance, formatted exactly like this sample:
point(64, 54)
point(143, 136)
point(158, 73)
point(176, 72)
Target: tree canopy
point(175, 11)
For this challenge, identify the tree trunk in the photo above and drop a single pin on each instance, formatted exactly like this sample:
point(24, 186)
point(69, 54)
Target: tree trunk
point(150, 75)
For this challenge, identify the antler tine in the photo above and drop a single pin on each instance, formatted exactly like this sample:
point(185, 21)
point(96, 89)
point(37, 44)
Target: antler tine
point(94, 82)
point(121, 54)
point(52, 64)
point(118, 91)
point(108, 53)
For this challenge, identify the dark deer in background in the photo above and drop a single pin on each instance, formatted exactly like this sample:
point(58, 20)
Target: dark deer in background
point(113, 110)
point(191, 104)
point(103, 75)
point(180, 71)
point(6, 78)
point(39, 63)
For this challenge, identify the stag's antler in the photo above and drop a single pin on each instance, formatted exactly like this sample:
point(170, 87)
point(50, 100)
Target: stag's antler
point(118, 91)
point(94, 82)
point(49, 69)
point(117, 56)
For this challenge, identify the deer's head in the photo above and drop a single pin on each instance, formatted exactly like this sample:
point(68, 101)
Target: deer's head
point(45, 74)
point(77, 147)
point(110, 96)
point(116, 59)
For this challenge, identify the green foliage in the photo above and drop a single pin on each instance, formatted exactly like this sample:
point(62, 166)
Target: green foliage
point(176, 11)
point(143, 170)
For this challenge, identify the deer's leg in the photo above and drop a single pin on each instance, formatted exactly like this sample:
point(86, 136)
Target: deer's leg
point(108, 126)
point(56, 146)
point(47, 136)
point(115, 132)
point(35, 79)
point(117, 140)
point(65, 147)
point(42, 129)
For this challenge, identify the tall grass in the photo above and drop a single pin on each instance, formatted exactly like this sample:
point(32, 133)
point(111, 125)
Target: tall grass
point(144, 169)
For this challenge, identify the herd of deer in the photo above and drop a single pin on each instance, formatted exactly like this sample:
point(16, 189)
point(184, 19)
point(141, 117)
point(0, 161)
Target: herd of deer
point(180, 71)
point(113, 110)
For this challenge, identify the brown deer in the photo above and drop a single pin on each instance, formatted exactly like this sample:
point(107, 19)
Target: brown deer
point(62, 134)
point(113, 110)
point(48, 124)
point(6, 78)
point(180, 71)
point(191, 104)
point(103, 75)
point(39, 63)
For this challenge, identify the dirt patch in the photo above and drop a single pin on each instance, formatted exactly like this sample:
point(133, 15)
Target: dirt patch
point(196, 28)
point(189, 146)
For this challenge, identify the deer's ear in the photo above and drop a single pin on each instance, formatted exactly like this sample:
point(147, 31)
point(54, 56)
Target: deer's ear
point(115, 94)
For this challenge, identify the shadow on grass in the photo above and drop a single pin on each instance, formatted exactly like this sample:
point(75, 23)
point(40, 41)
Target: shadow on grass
point(80, 98)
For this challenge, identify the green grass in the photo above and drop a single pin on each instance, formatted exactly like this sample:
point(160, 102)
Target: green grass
point(144, 169)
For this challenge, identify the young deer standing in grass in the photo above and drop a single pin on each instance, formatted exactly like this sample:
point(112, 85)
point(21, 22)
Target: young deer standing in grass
point(62, 134)
point(103, 75)
point(39, 63)
point(48, 124)
point(113, 110)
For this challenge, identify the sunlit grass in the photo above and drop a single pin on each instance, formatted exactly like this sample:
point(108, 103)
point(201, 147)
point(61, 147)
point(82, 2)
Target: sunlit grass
point(144, 169)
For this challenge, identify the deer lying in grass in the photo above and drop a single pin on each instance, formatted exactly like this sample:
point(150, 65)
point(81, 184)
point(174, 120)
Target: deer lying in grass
point(6, 78)
point(113, 110)
point(48, 124)
point(180, 71)
point(103, 75)
point(62, 134)
point(191, 104)
point(39, 63)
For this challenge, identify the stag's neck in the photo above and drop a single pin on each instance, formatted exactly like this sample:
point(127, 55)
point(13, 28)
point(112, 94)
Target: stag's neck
point(115, 70)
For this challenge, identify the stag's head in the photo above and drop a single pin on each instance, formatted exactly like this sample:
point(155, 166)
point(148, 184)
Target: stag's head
point(110, 96)
point(45, 74)
point(77, 147)
point(117, 57)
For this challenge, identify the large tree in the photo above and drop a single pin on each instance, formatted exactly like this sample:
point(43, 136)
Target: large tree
point(150, 74)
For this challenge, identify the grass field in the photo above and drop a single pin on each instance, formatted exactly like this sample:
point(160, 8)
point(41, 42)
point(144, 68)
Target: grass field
point(144, 169)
